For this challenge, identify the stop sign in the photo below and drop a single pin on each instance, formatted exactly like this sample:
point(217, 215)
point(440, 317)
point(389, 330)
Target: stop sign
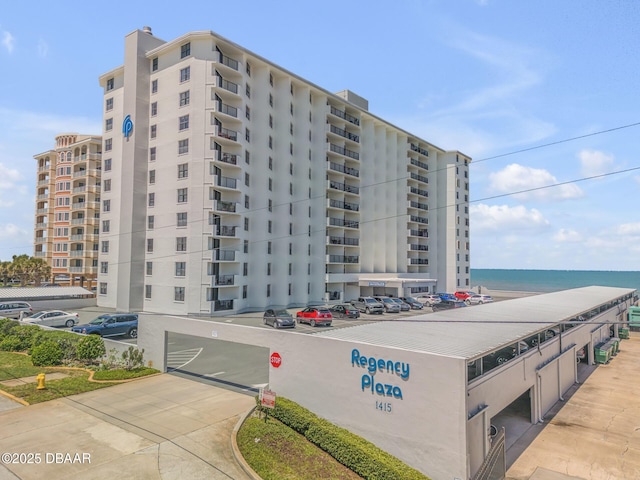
point(275, 359)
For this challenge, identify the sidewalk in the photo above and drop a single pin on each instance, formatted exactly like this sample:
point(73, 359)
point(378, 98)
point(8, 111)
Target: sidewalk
point(162, 427)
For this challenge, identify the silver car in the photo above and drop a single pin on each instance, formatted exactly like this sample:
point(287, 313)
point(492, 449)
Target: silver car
point(478, 299)
point(389, 305)
point(53, 318)
point(278, 318)
point(15, 309)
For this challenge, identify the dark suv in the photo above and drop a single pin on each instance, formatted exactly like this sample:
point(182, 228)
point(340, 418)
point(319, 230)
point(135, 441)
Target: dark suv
point(448, 304)
point(111, 325)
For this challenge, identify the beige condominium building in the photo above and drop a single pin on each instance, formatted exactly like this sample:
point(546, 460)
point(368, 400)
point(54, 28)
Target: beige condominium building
point(67, 208)
point(235, 184)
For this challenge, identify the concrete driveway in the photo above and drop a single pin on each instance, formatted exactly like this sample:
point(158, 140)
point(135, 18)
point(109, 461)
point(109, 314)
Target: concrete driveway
point(162, 427)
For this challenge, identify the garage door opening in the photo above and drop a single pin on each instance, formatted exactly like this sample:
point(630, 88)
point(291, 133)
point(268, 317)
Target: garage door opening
point(516, 421)
point(235, 366)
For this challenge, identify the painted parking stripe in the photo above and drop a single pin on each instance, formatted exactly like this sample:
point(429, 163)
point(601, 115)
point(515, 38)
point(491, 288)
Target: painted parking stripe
point(177, 360)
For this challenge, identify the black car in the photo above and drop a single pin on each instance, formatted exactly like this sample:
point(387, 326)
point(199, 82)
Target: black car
point(344, 310)
point(413, 303)
point(448, 305)
point(278, 318)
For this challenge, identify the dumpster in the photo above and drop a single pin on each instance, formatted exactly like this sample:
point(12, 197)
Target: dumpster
point(602, 353)
point(623, 333)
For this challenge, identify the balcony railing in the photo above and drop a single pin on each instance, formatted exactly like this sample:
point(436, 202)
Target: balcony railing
point(344, 259)
point(80, 189)
point(421, 248)
point(344, 187)
point(226, 182)
point(229, 158)
point(419, 233)
point(344, 151)
point(226, 231)
point(223, 280)
point(222, 305)
point(76, 269)
point(42, 210)
point(333, 240)
point(43, 196)
point(419, 261)
point(77, 253)
point(420, 178)
point(420, 164)
point(227, 109)
point(229, 134)
point(419, 191)
point(226, 256)
point(41, 225)
point(41, 254)
point(420, 150)
point(422, 206)
point(340, 222)
point(345, 116)
point(344, 205)
point(222, 206)
point(344, 133)
point(415, 218)
point(44, 168)
point(43, 182)
point(346, 170)
point(227, 85)
point(78, 237)
point(41, 239)
point(228, 61)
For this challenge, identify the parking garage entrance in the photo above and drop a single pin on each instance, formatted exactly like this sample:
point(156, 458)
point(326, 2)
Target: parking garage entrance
point(516, 419)
point(234, 366)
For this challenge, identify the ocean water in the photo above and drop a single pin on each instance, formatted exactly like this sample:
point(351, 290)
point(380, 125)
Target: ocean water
point(550, 280)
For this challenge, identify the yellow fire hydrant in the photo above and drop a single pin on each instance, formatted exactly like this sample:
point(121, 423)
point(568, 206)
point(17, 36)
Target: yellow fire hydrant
point(40, 379)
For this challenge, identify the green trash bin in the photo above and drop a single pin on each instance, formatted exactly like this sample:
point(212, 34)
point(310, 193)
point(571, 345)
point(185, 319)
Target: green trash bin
point(602, 354)
point(623, 333)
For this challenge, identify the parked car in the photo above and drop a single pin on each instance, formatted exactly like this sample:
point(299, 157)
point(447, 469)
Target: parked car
point(111, 325)
point(344, 310)
point(315, 316)
point(447, 296)
point(505, 354)
point(448, 305)
point(429, 299)
point(404, 306)
point(368, 305)
point(464, 294)
point(479, 299)
point(389, 305)
point(278, 318)
point(53, 318)
point(413, 302)
point(15, 309)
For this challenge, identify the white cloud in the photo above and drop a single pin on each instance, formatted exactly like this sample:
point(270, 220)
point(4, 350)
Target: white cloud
point(565, 235)
point(628, 229)
point(594, 162)
point(8, 41)
point(43, 48)
point(10, 179)
point(531, 182)
point(506, 219)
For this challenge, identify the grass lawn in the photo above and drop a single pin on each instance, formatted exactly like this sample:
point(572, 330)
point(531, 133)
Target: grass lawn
point(276, 452)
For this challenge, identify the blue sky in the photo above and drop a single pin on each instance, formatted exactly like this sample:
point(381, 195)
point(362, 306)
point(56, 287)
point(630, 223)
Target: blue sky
point(486, 77)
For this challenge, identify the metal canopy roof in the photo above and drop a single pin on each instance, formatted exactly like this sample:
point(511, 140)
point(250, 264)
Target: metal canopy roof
point(473, 331)
point(42, 293)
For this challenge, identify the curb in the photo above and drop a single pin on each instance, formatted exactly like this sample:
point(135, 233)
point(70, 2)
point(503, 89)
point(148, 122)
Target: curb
point(15, 399)
point(237, 455)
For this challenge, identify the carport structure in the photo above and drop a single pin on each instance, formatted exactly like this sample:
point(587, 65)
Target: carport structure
point(427, 388)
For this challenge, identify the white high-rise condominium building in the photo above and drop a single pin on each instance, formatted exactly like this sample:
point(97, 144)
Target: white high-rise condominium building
point(236, 184)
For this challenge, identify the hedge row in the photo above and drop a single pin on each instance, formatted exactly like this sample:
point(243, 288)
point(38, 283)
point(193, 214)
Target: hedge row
point(354, 452)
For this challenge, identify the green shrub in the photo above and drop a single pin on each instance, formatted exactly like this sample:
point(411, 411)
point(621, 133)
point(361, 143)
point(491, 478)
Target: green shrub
point(25, 333)
point(293, 415)
point(90, 348)
point(68, 342)
point(6, 324)
point(46, 354)
point(11, 343)
point(133, 358)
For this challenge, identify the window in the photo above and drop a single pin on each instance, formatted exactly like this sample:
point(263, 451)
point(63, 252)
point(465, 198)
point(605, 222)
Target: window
point(268, 290)
point(291, 108)
point(184, 98)
point(270, 205)
point(106, 205)
point(247, 90)
point(246, 202)
point(291, 148)
point(149, 268)
point(106, 185)
point(151, 200)
point(181, 269)
point(154, 64)
point(106, 226)
point(290, 188)
point(185, 50)
point(154, 86)
point(181, 219)
point(103, 288)
point(291, 209)
point(183, 122)
point(270, 142)
point(104, 246)
point(247, 113)
point(246, 246)
point(268, 268)
point(154, 109)
point(291, 128)
point(178, 295)
point(110, 84)
point(270, 100)
point(149, 245)
point(185, 74)
point(151, 221)
point(269, 248)
point(152, 177)
point(247, 157)
point(289, 289)
point(290, 267)
point(246, 179)
point(147, 291)
point(270, 163)
point(290, 247)
point(183, 170)
point(181, 244)
point(152, 154)
point(247, 135)
point(108, 145)
point(245, 269)
point(153, 131)
point(108, 124)
point(290, 168)
point(246, 225)
point(270, 184)
point(271, 79)
point(270, 121)
point(104, 267)
point(269, 226)
point(109, 104)
point(183, 146)
point(182, 195)
point(248, 69)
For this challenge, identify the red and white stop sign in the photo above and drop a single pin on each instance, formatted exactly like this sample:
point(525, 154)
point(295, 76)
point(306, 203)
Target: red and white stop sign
point(275, 359)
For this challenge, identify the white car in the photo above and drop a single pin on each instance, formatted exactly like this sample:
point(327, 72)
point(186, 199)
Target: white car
point(478, 299)
point(53, 318)
point(429, 300)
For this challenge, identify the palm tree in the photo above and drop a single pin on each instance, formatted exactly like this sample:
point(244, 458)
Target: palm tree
point(21, 269)
point(5, 271)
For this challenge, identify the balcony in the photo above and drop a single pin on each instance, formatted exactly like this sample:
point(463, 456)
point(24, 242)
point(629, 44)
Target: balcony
point(344, 133)
point(42, 183)
point(227, 134)
point(225, 231)
point(420, 248)
point(224, 280)
point(341, 222)
point(44, 168)
point(77, 253)
point(343, 169)
point(41, 254)
point(420, 150)
point(43, 196)
point(226, 109)
point(228, 158)
point(344, 187)
point(219, 305)
point(78, 237)
point(345, 116)
point(344, 205)
point(226, 84)
point(83, 173)
point(418, 261)
point(226, 256)
point(76, 269)
point(227, 61)
point(418, 191)
point(421, 206)
point(80, 189)
point(420, 164)
point(79, 205)
point(344, 151)
point(40, 239)
point(226, 182)
point(353, 242)
point(343, 259)
point(416, 218)
point(227, 207)
point(420, 178)
point(42, 210)
point(418, 233)
point(41, 225)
